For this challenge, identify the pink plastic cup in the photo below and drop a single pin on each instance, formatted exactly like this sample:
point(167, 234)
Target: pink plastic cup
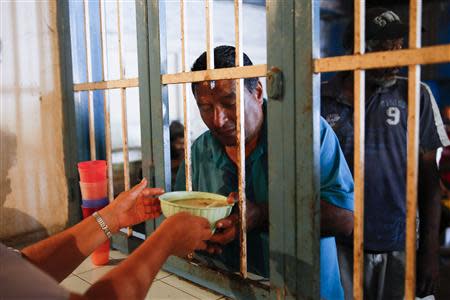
point(92, 170)
point(94, 190)
point(100, 256)
point(87, 211)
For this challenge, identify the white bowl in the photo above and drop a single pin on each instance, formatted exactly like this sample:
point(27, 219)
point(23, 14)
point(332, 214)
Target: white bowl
point(169, 206)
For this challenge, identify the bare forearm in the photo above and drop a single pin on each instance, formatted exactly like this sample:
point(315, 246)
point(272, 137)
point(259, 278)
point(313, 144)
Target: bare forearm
point(429, 205)
point(335, 221)
point(133, 277)
point(60, 254)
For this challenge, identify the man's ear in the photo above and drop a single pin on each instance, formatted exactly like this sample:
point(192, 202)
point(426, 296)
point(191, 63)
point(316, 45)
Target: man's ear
point(259, 92)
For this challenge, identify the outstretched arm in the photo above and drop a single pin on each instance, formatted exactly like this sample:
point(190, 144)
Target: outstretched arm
point(60, 254)
point(178, 235)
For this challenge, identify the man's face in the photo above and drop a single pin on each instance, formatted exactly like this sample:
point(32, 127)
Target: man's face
point(383, 77)
point(217, 105)
point(178, 147)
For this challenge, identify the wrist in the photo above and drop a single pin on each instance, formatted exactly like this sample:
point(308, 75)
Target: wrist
point(110, 219)
point(166, 242)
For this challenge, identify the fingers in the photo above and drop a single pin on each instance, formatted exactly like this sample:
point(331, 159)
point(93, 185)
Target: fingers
point(152, 192)
point(232, 197)
point(201, 246)
point(227, 222)
point(206, 233)
point(224, 237)
point(204, 223)
point(138, 188)
point(213, 249)
point(149, 209)
point(151, 202)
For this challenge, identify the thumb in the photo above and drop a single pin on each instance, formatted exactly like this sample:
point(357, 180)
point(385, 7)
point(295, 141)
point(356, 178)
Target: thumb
point(138, 188)
point(233, 197)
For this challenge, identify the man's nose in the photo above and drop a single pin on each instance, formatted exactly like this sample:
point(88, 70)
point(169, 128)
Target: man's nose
point(219, 117)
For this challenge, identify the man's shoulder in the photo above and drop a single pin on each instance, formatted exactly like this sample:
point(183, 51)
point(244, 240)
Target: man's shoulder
point(402, 84)
point(204, 139)
point(205, 142)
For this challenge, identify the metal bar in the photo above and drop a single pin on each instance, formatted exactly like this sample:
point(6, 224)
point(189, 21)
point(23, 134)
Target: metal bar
point(359, 125)
point(385, 59)
point(105, 85)
point(240, 121)
point(209, 35)
point(215, 74)
point(186, 111)
point(280, 127)
point(91, 126)
point(415, 24)
point(106, 108)
point(70, 141)
point(87, 44)
point(218, 280)
point(159, 98)
point(306, 86)
point(126, 172)
point(142, 24)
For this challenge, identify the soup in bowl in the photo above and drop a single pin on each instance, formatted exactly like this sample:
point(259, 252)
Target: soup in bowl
point(207, 205)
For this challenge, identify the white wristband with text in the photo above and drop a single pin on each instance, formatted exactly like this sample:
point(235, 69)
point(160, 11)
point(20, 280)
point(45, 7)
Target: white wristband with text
point(102, 224)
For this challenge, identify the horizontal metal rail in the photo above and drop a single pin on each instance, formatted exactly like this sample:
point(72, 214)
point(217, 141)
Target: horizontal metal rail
point(215, 74)
point(106, 85)
point(384, 59)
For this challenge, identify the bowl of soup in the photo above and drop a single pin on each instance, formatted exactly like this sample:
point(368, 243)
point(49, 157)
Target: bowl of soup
point(207, 205)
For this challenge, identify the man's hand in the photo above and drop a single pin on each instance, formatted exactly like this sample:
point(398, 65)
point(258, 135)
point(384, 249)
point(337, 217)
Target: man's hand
point(227, 229)
point(427, 274)
point(133, 207)
point(186, 233)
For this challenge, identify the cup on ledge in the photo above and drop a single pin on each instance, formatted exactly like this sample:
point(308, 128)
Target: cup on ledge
point(92, 170)
point(94, 190)
point(100, 256)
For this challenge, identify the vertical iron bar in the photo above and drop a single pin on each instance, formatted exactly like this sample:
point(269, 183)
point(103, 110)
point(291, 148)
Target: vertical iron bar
point(240, 121)
point(159, 96)
point(307, 150)
point(187, 115)
point(126, 173)
point(415, 20)
point(87, 44)
point(359, 125)
point(70, 141)
point(209, 35)
point(106, 108)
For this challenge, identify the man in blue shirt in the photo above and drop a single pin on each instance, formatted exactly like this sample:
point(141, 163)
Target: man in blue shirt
point(214, 170)
point(385, 166)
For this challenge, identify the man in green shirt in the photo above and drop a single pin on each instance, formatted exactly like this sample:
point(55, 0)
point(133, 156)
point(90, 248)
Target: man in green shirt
point(214, 169)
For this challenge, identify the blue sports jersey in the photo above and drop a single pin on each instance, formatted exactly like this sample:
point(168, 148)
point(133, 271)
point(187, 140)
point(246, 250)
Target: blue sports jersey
point(385, 152)
point(213, 171)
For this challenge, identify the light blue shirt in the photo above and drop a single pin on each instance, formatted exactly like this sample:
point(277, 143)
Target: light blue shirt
point(213, 171)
